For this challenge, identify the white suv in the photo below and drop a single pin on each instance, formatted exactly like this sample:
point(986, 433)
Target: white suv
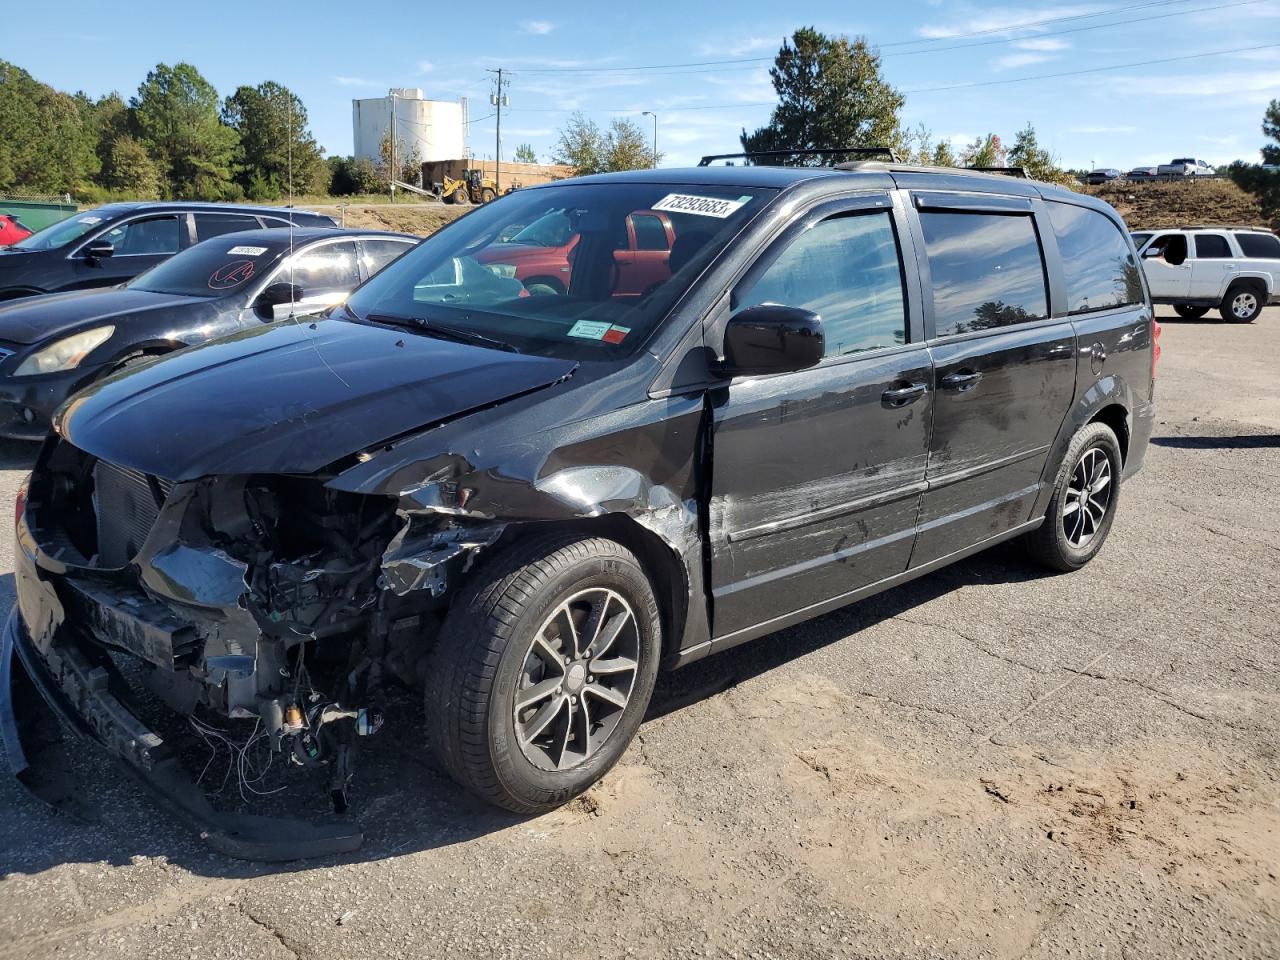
point(1236, 269)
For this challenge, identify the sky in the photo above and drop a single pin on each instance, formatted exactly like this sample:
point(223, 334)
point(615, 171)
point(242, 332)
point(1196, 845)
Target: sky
point(965, 68)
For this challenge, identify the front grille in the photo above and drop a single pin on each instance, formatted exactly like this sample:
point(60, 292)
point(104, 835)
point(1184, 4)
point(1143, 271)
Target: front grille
point(126, 503)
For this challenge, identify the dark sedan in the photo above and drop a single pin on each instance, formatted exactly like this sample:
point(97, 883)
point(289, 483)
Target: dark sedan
point(116, 242)
point(1102, 175)
point(52, 346)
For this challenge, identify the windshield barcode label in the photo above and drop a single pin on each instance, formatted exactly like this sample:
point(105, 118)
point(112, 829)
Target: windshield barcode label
point(699, 206)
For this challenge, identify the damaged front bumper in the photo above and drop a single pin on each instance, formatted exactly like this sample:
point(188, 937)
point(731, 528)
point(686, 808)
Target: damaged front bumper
point(68, 682)
point(280, 616)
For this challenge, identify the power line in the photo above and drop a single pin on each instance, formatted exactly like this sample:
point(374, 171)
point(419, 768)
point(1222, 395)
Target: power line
point(753, 64)
point(955, 86)
point(1077, 73)
point(1127, 8)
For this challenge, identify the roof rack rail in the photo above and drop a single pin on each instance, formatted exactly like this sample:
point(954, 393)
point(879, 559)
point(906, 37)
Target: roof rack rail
point(1019, 172)
point(887, 153)
point(1220, 226)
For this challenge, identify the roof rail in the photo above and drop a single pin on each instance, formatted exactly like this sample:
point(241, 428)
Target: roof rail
point(1019, 172)
point(1220, 226)
point(885, 152)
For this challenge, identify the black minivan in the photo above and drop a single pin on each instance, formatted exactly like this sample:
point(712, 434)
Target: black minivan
point(116, 242)
point(524, 503)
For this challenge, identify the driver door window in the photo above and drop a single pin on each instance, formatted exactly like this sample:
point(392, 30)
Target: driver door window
point(846, 270)
point(155, 236)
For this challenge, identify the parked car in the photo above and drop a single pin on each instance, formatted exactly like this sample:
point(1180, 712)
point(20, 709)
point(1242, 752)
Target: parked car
point(1186, 167)
point(116, 242)
point(526, 504)
point(541, 255)
point(54, 345)
point(1142, 173)
point(1102, 175)
point(11, 229)
point(1235, 269)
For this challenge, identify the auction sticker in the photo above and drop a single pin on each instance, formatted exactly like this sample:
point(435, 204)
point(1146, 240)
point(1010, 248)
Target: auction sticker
point(717, 207)
point(246, 251)
point(589, 329)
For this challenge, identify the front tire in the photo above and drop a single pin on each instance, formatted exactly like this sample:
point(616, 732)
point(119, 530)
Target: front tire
point(543, 670)
point(1243, 303)
point(1085, 496)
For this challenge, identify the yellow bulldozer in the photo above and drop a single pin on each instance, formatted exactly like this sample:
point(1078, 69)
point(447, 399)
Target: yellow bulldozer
point(471, 187)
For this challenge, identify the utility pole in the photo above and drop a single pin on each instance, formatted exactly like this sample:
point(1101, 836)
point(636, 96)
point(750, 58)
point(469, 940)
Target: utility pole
point(499, 100)
point(650, 113)
point(391, 174)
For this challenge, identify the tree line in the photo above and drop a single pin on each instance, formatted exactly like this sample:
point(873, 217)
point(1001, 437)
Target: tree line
point(174, 138)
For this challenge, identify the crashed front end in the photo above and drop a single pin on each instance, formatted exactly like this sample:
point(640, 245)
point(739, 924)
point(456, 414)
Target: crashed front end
point(271, 601)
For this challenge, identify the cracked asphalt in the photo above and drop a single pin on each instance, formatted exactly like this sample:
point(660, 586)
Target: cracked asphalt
point(989, 762)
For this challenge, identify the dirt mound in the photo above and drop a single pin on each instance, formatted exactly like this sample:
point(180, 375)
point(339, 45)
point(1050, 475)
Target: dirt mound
point(1147, 206)
point(420, 218)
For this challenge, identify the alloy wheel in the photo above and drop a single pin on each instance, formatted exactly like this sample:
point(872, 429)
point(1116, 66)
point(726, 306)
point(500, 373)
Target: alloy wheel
point(1088, 497)
point(1244, 305)
point(577, 678)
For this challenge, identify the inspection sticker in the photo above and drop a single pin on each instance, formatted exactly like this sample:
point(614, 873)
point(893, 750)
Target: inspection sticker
point(616, 334)
point(89, 220)
point(589, 329)
point(246, 251)
point(717, 207)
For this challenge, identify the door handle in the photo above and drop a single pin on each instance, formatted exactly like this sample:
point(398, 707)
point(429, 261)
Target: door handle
point(961, 380)
point(901, 396)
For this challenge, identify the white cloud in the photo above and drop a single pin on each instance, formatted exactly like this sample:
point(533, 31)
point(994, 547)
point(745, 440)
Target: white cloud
point(1042, 43)
point(1101, 130)
point(539, 28)
point(756, 87)
point(739, 48)
point(356, 82)
point(425, 66)
point(1012, 61)
point(1002, 21)
point(1232, 87)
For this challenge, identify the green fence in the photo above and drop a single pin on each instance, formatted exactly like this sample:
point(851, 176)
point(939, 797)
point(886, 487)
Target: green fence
point(37, 212)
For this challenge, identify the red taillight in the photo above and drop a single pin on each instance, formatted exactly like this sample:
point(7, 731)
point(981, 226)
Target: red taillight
point(20, 503)
point(1155, 345)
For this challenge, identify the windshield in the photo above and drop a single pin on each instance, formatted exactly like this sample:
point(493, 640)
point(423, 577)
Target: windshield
point(625, 254)
point(215, 268)
point(65, 231)
point(1139, 239)
point(553, 230)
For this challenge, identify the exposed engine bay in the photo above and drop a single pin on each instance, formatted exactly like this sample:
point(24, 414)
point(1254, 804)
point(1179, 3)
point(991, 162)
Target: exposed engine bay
point(266, 598)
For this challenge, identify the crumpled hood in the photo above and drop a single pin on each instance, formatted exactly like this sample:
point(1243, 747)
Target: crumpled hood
point(32, 319)
point(290, 398)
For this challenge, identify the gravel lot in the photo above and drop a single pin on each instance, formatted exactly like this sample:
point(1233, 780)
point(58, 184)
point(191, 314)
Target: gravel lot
point(987, 762)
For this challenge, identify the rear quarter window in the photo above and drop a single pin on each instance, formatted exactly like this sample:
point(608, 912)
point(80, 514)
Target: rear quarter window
point(1101, 270)
point(986, 270)
point(1264, 246)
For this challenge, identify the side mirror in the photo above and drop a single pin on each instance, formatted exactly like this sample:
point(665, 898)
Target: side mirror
point(99, 250)
point(771, 338)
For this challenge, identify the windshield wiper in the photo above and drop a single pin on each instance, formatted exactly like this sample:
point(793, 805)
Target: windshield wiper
point(442, 332)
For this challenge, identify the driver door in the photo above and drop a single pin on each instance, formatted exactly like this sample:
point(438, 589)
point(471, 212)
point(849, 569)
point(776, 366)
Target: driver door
point(817, 474)
point(138, 245)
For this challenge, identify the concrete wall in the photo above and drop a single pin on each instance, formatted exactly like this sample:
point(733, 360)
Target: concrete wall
point(435, 127)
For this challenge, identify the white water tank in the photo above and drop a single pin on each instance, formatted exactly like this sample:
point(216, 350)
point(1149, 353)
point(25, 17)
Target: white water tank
point(437, 128)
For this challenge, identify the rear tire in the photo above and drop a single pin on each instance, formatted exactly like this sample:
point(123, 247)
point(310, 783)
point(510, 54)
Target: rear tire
point(1189, 311)
point(1243, 303)
point(520, 710)
point(1086, 493)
